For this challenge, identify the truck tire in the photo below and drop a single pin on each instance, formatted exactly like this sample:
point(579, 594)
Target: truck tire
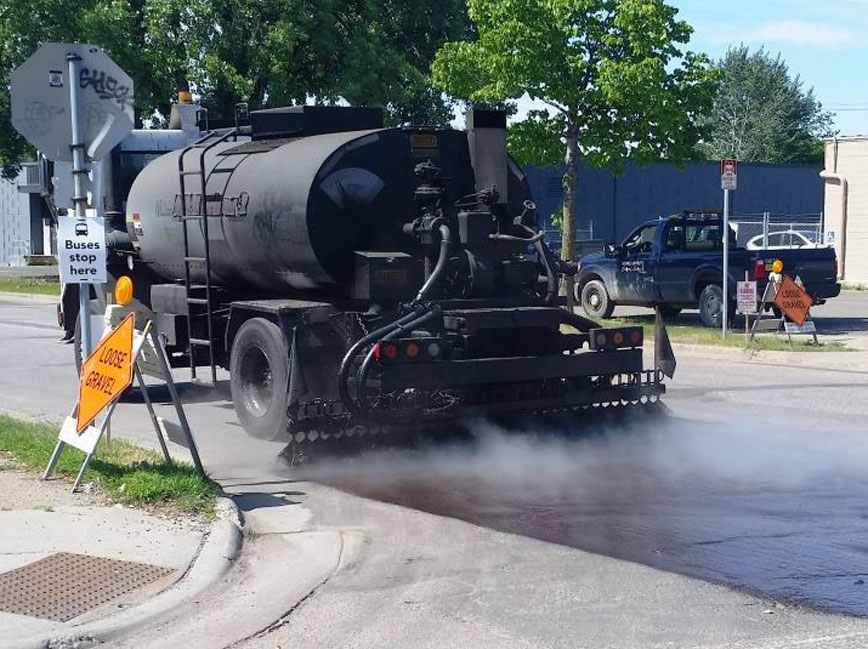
point(595, 300)
point(258, 379)
point(711, 306)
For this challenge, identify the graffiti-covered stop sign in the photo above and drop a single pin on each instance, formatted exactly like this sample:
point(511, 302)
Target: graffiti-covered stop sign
point(41, 102)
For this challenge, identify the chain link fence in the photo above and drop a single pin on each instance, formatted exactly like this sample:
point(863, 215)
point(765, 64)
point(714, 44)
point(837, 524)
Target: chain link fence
point(768, 230)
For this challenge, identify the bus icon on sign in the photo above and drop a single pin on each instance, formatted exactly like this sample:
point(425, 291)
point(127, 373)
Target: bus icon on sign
point(81, 229)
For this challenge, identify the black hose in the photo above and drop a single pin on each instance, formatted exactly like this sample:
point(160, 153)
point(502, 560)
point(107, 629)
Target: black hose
point(551, 276)
point(536, 236)
point(365, 367)
point(440, 267)
point(347, 361)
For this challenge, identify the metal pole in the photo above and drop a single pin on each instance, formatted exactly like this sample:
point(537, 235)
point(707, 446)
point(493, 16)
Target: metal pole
point(79, 199)
point(179, 410)
point(147, 399)
point(725, 235)
point(765, 230)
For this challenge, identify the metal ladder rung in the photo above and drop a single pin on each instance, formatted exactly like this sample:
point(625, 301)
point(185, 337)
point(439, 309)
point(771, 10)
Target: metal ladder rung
point(197, 287)
point(196, 300)
point(199, 259)
point(193, 217)
point(201, 342)
point(190, 173)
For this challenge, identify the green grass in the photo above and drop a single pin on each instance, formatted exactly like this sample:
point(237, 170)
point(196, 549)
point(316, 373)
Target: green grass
point(124, 472)
point(699, 335)
point(854, 286)
point(32, 285)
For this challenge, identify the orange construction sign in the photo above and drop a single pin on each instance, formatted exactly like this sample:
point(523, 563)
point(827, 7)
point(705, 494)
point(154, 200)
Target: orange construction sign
point(106, 373)
point(793, 301)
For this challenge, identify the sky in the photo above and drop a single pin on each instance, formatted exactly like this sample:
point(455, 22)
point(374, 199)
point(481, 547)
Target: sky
point(824, 42)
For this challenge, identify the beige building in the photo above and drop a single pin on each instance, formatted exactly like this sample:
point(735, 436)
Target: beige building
point(846, 205)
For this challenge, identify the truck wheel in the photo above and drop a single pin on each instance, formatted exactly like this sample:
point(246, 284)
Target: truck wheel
point(711, 306)
point(595, 300)
point(258, 378)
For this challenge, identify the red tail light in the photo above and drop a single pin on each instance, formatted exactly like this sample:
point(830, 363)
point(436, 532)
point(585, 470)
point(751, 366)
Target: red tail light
point(385, 351)
point(759, 269)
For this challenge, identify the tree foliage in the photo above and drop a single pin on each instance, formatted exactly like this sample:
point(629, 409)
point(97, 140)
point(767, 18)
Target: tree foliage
point(265, 52)
point(612, 74)
point(762, 113)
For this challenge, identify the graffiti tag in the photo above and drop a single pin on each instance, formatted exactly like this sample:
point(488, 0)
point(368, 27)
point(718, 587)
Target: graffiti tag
point(106, 87)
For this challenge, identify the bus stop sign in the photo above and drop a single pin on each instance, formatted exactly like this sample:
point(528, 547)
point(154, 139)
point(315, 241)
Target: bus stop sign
point(41, 101)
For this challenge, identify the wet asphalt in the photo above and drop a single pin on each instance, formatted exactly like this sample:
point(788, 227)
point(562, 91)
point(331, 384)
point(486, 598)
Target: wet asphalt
point(778, 512)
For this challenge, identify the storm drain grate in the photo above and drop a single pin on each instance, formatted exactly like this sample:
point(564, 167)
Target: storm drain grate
point(65, 585)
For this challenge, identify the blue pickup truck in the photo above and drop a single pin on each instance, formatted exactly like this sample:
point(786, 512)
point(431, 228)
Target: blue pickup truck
point(677, 263)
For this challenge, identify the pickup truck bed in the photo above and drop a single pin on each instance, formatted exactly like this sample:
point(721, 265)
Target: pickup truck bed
point(677, 262)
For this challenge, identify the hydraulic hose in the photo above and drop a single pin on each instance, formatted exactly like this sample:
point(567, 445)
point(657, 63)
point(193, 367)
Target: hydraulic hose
point(362, 397)
point(551, 276)
point(440, 267)
point(535, 236)
point(347, 361)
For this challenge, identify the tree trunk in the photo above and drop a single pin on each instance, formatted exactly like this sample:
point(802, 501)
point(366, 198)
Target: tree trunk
point(570, 185)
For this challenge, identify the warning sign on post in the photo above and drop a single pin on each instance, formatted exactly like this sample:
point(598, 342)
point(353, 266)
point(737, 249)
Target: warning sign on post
point(747, 299)
point(106, 373)
point(729, 174)
point(793, 301)
point(81, 250)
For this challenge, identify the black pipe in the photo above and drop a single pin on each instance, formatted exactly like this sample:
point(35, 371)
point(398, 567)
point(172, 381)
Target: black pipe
point(551, 276)
point(343, 373)
point(362, 397)
point(440, 267)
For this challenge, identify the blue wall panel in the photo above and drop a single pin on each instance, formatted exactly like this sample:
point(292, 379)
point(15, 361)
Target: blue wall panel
point(615, 204)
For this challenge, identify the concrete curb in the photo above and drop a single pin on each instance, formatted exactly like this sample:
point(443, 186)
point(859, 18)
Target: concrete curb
point(31, 297)
point(218, 554)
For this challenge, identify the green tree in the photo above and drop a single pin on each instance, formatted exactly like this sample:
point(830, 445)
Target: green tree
point(612, 74)
point(265, 52)
point(763, 113)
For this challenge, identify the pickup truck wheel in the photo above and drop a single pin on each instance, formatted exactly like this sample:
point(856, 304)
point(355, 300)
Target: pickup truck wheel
point(258, 378)
point(596, 301)
point(711, 306)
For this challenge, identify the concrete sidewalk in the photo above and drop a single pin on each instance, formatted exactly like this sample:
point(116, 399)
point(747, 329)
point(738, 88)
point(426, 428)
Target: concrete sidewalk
point(74, 569)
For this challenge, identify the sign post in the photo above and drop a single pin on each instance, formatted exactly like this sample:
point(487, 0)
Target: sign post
point(79, 118)
point(747, 300)
point(728, 183)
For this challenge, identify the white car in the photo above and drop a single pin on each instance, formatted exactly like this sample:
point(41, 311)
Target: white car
point(778, 240)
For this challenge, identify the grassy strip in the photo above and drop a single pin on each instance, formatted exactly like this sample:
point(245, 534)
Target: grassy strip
point(699, 335)
point(854, 286)
point(126, 473)
point(31, 285)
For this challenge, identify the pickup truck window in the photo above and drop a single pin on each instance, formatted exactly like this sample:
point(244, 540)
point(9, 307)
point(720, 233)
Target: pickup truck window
point(674, 238)
point(642, 240)
point(702, 236)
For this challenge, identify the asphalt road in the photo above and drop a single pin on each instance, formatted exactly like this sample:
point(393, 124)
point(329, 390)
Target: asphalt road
point(755, 480)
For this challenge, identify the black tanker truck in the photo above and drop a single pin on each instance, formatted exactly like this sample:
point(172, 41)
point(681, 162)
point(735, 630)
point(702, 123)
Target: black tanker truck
point(353, 277)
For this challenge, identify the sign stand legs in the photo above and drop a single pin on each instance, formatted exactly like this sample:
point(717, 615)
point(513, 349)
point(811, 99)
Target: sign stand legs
point(147, 399)
point(176, 400)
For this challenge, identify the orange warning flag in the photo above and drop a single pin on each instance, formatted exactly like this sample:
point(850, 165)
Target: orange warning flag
point(106, 373)
point(793, 300)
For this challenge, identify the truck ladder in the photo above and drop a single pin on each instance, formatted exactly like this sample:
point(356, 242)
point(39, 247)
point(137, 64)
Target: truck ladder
point(198, 296)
